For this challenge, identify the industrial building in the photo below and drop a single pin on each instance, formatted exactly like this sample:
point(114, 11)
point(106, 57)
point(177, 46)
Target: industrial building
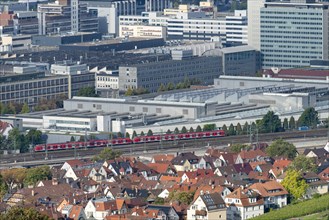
point(182, 66)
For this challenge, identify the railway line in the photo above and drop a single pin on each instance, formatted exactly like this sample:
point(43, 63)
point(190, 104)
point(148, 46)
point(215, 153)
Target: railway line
point(178, 145)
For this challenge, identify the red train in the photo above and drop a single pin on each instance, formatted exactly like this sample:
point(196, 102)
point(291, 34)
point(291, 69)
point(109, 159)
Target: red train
point(123, 141)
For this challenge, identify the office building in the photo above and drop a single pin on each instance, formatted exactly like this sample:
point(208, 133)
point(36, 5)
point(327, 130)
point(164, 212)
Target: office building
point(143, 31)
point(293, 33)
point(253, 12)
point(182, 66)
point(15, 42)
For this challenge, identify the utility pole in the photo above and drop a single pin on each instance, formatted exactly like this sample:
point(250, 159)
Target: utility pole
point(75, 151)
point(46, 147)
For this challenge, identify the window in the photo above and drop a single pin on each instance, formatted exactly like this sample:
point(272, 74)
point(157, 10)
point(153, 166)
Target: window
point(98, 106)
point(241, 83)
point(131, 108)
point(158, 110)
point(80, 106)
point(145, 109)
point(185, 111)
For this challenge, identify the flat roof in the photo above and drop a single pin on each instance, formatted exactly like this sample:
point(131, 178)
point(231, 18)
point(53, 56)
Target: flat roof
point(112, 41)
point(237, 49)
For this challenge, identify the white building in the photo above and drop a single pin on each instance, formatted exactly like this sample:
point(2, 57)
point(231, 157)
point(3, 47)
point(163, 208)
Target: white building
point(68, 68)
point(15, 42)
point(142, 31)
point(107, 80)
point(254, 7)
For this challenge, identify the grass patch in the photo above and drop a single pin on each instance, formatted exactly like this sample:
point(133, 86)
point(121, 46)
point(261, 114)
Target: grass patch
point(320, 215)
point(297, 210)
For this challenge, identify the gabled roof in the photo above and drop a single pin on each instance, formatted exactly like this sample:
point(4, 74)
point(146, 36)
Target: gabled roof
point(182, 157)
point(251, 154)
point(213, 201)
point(102, 206)
point(160, 167)
point(270, 188)
point(244, 195)
point(138, 193)
point(164, 208)
point(75, 163)
point(256, 163)
point(208, 189)
point(163, 158)
point(75, 211)
point(4, 125)
point(324, 174)
point(319, 152)
point(242, 168)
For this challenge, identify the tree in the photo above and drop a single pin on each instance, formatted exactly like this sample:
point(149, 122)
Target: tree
point(34, 136)
point(176, 131)
point(191, 130)
point(236, 148)
point(33, 175)
point(82, 139)
point(127, 135)
point(13, 178)
point(303, 164)
point(3, 188)
point(120, 135)
point(238, 130)
point(149, 132)
point(129, 92)
point(134, 135)
point(231, 130)
point(245, 128)
point(107, 154)
point(198, 129)
point(25, 109)
point(17, 140)
point(170, 86)
point(182, 197)
point(142, 133)
point(224, 128)
point(292, 123)
point(209, 127)
point(20, 213)
point(9, 109)
point(281, 148)
point(162, 88)
point(168, 131)
point(184, 130)
point(309, 118)
point(294, 184)
point(285, 124)
point(72, 139)
point(270, 123)
point(159, 201)
point(87, 92)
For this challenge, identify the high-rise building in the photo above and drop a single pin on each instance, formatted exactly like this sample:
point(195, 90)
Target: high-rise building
point(253, 12)
point(293, 33)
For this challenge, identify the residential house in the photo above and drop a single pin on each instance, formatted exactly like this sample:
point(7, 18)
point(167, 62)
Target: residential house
point(162, 158)
point(246, 156)
point(77, 163)
point(207, 206)
point(244, 204)
point(120, 168)
point(278, 168)
point(324, 174)
point(164, 212)
point(212, 188)
point(316, 184)
point(318, 154)
point(273, 193)
point(100, 208)
point(185, 161)
point(163, 168)
point(5, 128)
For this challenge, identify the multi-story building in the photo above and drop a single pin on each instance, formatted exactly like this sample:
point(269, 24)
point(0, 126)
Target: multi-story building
point(27, 84)
point(25, 22)
point(15, 42)
point(65, 16)
point(196, 25)
point(183, 65)
point(254, 7)
point(293, 33)
point(142, 31)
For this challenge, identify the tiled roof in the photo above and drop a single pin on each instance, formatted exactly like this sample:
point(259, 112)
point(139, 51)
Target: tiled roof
point(270, 188)
point(324, 174)
point(181, 158)
point(160, 158)
point(251, 154)
point(106, 205)
point(159, 167)
point(75, 211)
point(244, 195)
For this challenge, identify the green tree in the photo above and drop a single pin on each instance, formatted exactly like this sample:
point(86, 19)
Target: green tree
point(168, 131)
point(13, 178)
point(127, 135)
point(20, 213)
point(25, 109)
point(184, 130)
point(72, 139)
point(142, 133)
point(134, 135)
point(3, 188)
point(309, 118)
point(285, 124)
point(162, 88)
point(170, 86)
point(119, 134)
point(82, 139)
point(149, 132)
point(9, 109)
point(159, 201)
point(34, 136)
point(209, 127)
point(107, 154)
point(87, 92)
point(281, 148)
point(176, 131)
point(33, 175)
point(238, 130)
point(231, 130)
point(294, 184)
point(236, 148)
point(292, 123)
point(191, 130)
point(245, 128)
point(182, 197)
point(270, 123)
point(198, 129)
point(303, 164)
point(224, 128)
point(129, 92)
point(17, 140)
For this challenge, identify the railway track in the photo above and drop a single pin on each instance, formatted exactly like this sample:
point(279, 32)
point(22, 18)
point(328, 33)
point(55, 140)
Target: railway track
point(139, 149)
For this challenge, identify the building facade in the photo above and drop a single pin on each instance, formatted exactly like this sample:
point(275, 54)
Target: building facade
point(151, 75)
point(293, 33)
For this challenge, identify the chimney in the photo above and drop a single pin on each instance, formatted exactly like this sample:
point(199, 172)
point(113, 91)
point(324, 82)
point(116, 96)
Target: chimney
point(201, 192)
point(212, 186)
point(32, 192)
point(74, 201)
point(54, 181)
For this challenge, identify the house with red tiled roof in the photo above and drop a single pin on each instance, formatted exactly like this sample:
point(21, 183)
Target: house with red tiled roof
point(316, 185)
point(273, 193)
point(185, 161)
point(162, 168)
point(76, 163)
point(5, 128)
point(162, 158)
point(278, 168)
point(100, 208)
point(74, 212)
point(324, 174)
point(244, 204)
point(194, 176)
point(247, 156)
point(211, 188)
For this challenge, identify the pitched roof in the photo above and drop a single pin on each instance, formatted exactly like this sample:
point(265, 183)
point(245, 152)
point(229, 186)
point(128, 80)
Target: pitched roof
point(4, 125)
point(105, 205)
point(120, 202)
point(251, 154)
point(244, 196)
point(324, 174)
point(182, 157)
point(270, 188)
point(242, 168)
point(159, 167)
point(213, 201)
point(208, 189)
point(75, 211)
point(256, 163)
point(319, 152)
point(161, 158)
